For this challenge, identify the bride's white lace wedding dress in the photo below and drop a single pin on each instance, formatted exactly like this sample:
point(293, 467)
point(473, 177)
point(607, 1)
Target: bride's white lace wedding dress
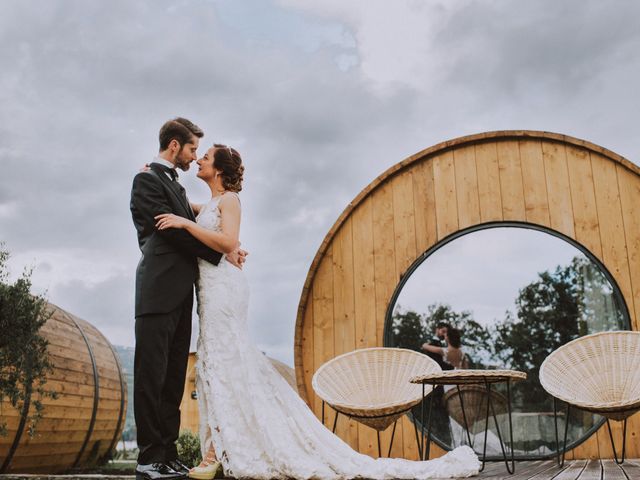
point(258, 424)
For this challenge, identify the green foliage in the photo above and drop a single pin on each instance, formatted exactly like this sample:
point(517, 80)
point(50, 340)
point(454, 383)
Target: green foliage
point(562, 305)
point(188, 446)
point(408, 329)
point(24, 361)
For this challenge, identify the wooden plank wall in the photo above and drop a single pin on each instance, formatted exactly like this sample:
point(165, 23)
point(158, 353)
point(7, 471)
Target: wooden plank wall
point(567, 185)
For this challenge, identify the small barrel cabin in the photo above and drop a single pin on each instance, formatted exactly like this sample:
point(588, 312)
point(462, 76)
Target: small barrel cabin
point(562, 185)
point(81, 427)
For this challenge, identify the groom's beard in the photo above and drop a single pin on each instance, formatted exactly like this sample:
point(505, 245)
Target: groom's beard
point(182, 163)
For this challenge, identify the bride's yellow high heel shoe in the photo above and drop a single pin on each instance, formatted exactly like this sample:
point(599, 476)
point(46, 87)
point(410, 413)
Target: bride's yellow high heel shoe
point(208, 468)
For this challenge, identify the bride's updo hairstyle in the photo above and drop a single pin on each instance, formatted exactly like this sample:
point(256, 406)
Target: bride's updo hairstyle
point(228, 161)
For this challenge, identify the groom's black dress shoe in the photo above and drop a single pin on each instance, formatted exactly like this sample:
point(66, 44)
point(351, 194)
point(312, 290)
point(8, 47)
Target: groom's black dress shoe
point(157, 471)
point(178, 466)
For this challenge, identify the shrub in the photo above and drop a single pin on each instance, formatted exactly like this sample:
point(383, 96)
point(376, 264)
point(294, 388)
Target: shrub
point(24, 361)
point(189, 448)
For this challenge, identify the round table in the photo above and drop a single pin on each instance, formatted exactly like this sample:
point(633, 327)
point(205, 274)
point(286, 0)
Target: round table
point(471, 377)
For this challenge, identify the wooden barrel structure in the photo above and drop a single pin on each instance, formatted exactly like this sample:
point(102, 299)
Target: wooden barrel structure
point(189, 415)
point(572, 188)
point(81, 427)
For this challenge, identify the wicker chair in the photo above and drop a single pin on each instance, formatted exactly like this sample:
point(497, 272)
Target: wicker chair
point(598, 373)
point(372, 386)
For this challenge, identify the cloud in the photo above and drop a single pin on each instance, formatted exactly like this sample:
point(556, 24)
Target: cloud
point(319, 97)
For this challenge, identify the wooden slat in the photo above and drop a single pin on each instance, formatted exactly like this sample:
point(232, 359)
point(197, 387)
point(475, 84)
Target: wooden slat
point(632, 469)
point(536, 202)
point(467, 195)
point(405, 246)
point(323, 317)
point(573, 471)
point(384, 255)
point(558, 189)
point(524, 470)
point(410, 447)
point(511, 189)
point(612, 234)
point(630, 203)
point(585, 213)
point(344, 313)
point(365, 302)
point(385, 275)
point(444, 181)
point(611, 471)
point(307, 348)
point(593, 471)
point(424, 206)
point(46, 463)
point(488, 172)
point(552, 470)
point(404, 226)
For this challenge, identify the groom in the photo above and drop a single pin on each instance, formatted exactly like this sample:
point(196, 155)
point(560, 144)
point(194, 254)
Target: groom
point(165, 276)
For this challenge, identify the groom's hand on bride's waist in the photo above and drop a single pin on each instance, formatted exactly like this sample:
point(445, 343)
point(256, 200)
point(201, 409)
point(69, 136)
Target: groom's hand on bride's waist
point(237, 257)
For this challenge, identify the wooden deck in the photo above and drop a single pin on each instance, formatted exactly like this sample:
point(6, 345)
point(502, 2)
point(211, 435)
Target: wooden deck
point(535, 470)
point(572, 470)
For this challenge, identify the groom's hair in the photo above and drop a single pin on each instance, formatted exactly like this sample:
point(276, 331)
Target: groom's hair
point(179, 129)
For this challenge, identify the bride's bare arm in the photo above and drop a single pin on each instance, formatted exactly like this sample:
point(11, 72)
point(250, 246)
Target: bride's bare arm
point(196, 207)
point(226, 241)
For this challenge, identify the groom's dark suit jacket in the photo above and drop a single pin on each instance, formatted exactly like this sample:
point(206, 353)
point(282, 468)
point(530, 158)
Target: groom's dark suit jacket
point(168, 267)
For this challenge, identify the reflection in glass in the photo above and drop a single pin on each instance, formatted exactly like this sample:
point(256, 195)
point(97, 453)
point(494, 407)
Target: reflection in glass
point(515, 295)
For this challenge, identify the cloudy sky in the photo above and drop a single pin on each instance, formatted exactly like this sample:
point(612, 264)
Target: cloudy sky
point(320, 97)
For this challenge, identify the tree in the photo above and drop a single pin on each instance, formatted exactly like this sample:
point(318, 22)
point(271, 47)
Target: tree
point(408, 331)
point(24, 361)
point(561, 305)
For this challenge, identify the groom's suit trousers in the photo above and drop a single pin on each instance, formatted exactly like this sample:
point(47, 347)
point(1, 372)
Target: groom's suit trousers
point(160, 365)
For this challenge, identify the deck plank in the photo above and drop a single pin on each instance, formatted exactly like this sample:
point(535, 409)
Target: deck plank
point(573, 472)
point(491, 469)
point(593, 471)
point(631, 468)
point(611, 471)
point(525, 471)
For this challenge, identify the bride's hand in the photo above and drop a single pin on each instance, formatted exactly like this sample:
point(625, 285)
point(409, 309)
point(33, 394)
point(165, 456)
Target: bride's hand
point(146, 168)
point(169, 220)
point(237, 257)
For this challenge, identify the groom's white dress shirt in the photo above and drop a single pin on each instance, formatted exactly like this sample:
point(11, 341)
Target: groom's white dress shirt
point(167, 164)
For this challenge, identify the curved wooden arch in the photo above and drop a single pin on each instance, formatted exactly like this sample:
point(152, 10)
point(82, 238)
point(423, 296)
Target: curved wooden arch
point(563, 184)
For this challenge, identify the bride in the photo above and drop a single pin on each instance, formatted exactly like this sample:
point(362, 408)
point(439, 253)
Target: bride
point(252, 422)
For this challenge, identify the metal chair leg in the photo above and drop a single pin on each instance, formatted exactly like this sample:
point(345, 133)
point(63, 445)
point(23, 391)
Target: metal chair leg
point(422, 425)
point(415, 428)
point(486, 430)
point(624, 442)
point(335, 422)
point(464, 416)
point(561, 453)
point(428, 450)
point(393, 433)
point(511, 468)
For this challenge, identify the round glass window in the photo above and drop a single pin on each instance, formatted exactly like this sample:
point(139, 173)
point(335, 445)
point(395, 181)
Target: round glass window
point(503, 298)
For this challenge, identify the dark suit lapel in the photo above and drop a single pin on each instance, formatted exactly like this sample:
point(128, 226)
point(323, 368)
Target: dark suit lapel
point(175, 188)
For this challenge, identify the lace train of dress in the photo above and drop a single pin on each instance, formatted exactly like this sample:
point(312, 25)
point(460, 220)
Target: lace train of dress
point(258, 425)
